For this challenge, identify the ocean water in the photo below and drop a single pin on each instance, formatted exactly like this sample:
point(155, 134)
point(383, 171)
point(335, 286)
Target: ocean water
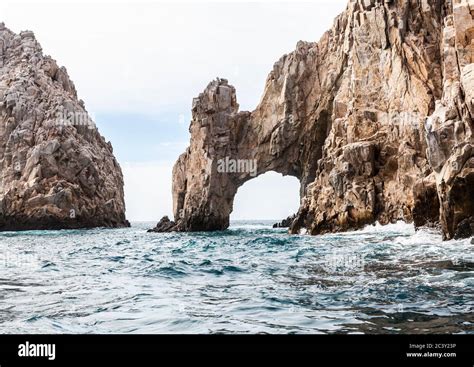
point(248, 279)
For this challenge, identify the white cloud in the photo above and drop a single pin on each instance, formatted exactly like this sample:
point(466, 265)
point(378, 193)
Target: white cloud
point(153, 56)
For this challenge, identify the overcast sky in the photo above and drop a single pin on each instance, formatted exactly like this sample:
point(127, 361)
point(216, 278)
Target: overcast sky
point(138, 65)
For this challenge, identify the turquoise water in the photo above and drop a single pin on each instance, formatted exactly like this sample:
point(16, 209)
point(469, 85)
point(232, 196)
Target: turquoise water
point(248, 279)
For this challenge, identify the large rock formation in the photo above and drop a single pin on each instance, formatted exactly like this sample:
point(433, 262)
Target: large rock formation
point(57, 171)
point(375, 120)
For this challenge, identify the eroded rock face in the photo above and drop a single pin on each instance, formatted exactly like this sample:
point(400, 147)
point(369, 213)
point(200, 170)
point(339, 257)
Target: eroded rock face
point(449, 130)
point(57, 171)
point(375, 120)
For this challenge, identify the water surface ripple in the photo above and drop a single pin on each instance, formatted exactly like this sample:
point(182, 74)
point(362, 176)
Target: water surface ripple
point(248, 279)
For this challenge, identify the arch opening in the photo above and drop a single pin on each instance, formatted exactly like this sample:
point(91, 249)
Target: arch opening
point(270, 196)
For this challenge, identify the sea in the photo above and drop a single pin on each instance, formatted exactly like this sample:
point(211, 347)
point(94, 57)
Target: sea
point(250, 278)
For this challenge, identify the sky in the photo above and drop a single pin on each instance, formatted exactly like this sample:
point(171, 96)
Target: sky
point(138, 65)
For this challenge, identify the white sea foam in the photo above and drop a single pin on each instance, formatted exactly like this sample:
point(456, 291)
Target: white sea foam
point(399, 227)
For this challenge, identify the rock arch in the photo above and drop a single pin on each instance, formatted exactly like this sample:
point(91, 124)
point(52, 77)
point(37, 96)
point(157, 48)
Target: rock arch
point(375, 120)
point(229, 148)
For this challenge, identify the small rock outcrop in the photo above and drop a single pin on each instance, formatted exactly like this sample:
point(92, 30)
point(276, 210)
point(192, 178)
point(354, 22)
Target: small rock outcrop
point(57, 171)
point(285, 223)
point(164, 225)
point(375, 120)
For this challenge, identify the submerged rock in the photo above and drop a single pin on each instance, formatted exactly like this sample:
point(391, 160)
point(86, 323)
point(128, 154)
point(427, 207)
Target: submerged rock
point(375, 120)
point(57, 170)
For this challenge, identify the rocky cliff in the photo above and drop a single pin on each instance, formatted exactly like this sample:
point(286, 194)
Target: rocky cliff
point(375, 120)
point(57, 171)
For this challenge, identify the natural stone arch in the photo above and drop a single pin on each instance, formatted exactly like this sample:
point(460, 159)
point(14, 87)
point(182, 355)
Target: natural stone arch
point(203, 192)
point(284, 134)
point(375, 126)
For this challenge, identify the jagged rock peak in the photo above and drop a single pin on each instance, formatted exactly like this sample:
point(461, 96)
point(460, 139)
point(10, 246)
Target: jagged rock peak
point(375, 120)
point(57, 170)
